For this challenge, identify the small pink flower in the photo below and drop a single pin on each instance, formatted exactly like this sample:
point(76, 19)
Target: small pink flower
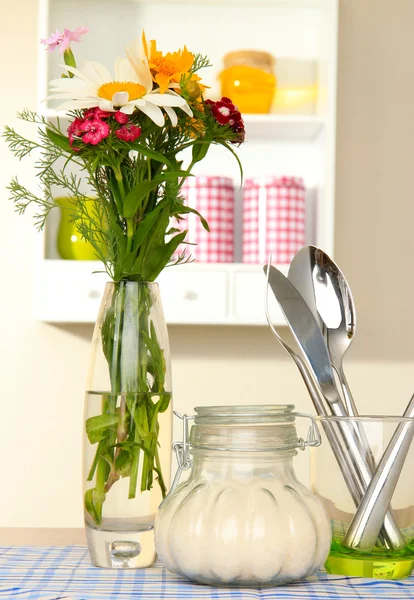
point(96, 113)
point(121, 117)
point(94, 131)
point(74, 130)
point(128, 133)
point(63, 40)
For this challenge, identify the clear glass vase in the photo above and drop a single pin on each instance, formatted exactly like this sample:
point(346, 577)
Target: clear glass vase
point(128, 426)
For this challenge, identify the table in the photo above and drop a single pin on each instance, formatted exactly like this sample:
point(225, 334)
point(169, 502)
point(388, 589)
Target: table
point(59, 569)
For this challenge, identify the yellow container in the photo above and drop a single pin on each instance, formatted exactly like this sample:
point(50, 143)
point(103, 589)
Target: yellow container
point(248, 79)
point(71, 245)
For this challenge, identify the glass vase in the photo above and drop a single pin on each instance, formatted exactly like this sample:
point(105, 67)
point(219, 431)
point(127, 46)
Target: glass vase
point(128, 426)
point(387, 557)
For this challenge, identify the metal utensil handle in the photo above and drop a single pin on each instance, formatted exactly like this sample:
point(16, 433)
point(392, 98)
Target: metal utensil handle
point(352, 411)
point(392, 538)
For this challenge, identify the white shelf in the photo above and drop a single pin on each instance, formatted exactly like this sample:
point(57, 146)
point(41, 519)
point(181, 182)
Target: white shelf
point(216, 294)
point(283, 3)
point(263, 126)
point(283, 127)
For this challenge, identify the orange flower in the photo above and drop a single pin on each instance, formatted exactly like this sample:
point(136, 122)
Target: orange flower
point(168, 69)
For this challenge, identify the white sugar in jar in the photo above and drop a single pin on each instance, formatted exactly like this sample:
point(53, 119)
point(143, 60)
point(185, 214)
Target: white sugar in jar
point(242, 517)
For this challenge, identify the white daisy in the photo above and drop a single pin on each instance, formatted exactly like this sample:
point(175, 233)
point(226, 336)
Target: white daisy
point(92, 85)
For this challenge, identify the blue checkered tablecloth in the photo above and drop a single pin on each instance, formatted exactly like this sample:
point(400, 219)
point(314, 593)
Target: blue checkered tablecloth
point(35, 573)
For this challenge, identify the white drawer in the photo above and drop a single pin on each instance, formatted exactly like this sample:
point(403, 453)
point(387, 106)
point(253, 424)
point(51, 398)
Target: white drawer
point(249, 295)
point(194, 296)
point(69, 291)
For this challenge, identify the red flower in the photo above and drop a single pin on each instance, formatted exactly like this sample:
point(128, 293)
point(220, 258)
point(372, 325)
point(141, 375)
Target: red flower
point(226, 113)
point(96, 113)
point(128, 133)
point(94, 131)
point(74, 130)
point(121, 117)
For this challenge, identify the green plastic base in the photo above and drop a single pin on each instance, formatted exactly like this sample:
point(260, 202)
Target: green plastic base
point(375, 567)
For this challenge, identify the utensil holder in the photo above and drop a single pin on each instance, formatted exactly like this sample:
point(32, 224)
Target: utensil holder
point(328, 484)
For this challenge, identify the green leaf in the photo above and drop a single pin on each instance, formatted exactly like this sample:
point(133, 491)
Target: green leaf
point(145, 151)
point(163, 403)
point(168, 175)
point(90, 505)
point(123, 463)
point(159, 257)
point(100, 427)
point(108, 458)
point(153, 241)
point(141, 421)
point(136, 196)
point(172, 230)
point(157, 355)
point(146, 225)
point(187, 209)
point(95, 461)
point(200, 150)
point(60, 141)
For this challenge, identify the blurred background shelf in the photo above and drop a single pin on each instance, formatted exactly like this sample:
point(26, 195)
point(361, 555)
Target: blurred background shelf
point(70, 291)
point(270, 126)
point(298, 145)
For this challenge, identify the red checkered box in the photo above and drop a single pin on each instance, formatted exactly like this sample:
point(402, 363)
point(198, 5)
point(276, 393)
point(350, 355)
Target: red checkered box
point(213, 197)
point(273, 218)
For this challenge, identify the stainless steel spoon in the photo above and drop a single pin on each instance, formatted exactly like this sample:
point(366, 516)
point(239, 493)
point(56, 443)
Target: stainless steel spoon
point(310, 339)
point(369, 517)
point(323, 286)
point(327, 293)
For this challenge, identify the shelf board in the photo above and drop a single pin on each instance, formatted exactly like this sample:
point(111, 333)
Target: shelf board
point(68, 291)
point(264, 126)
point(283, 127)
point(284, 3)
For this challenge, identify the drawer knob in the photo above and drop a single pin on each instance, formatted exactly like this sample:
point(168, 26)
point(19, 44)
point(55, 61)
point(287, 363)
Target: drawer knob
point(190, 295)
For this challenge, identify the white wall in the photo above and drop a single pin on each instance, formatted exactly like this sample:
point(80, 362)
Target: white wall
point(43, 367)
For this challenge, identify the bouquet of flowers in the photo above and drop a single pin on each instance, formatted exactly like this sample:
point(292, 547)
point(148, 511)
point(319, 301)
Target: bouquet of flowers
point(125, 135)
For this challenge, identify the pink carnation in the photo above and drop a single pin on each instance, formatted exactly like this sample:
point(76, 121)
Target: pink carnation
point(128, 133)
point(94, 131)
point(63, 40)
point(96, 113)
point(121, 117)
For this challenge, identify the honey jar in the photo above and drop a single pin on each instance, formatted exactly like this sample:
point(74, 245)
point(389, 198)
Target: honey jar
point(248, 79)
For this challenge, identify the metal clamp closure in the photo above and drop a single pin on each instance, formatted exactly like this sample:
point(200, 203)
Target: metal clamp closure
point(314, 437)
point(182, 449)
